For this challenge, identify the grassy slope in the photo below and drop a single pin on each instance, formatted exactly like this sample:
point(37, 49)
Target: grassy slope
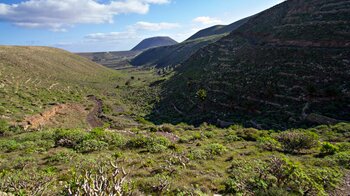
point(32, 78)
point(269, 69)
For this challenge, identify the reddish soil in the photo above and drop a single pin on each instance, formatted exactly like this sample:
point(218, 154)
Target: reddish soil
point(48, 117)
point(93, 117)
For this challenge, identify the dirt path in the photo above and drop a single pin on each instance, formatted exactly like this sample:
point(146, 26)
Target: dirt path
point(51, 116)
point(93, 117)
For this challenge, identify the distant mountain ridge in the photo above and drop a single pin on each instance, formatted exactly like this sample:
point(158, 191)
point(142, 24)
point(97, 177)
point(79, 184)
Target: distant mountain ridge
point(120, 59)
point(284, 67)
point(176, 54)
point(218, 29)
point(154, 42)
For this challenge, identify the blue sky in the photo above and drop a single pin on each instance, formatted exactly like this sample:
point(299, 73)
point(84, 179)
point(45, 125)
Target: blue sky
point(112, 25)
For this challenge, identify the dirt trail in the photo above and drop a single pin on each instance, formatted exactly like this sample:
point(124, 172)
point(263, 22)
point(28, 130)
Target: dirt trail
point(50, 116)
point(93, 117)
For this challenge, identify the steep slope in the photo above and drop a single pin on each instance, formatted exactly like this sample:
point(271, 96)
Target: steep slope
point(176, 54)
point(218, 29)
point(154, 42)
point(35, 78)
point(114, 60)
point(287, 66)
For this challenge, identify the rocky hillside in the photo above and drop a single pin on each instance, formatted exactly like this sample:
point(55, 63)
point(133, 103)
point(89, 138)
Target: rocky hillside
point(287, 66)
point(154, 42)
point(170, 56)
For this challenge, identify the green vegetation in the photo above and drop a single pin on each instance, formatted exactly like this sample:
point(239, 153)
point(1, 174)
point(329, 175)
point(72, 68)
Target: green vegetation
point(69, 126)
point(152, 162)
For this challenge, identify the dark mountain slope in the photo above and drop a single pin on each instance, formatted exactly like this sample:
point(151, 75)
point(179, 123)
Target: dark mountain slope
point(218, 29)
point(178, 53)
point(287, 66)
point(154, 42)
point(172, 55)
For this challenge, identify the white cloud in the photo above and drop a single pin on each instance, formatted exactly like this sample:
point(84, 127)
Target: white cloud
point(57, 15)
point(154, 26)
point(206, 20)
point(132, 32)
point(111, 36)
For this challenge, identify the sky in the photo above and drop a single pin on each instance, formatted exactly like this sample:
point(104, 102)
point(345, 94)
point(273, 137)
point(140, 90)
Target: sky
point(114, 25)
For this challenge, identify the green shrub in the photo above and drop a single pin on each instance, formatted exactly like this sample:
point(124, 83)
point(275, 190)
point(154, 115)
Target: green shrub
point(268, 143)
point(328, 178)
point(201, 94)
point(69, 138)
point(345, 146)
point(261, 176)
point(198, 154)
point(138, 142)
point(295, 141)
point(9, 145)
point(157, 144)
point(342, 158)
point(196, 136)
point(91, 145)
point(341, 128)
point(156, 148)
point(153, 144)
point(328, 149)
point(112, 138)
point(249, 134)
point(209, 134)
point(215, 149)
point(60, 157)
point(231, 136)
point(4, 126)
point(166, 128)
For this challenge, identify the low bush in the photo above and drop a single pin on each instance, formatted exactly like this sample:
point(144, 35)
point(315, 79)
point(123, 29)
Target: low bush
point(268, 143)
point(328, 149)
point(231, 136)
point(215, 149)
point(249, 134)
point(113, 139)
point(61, 157)
point(153, 144)
point(91, 145)
point(198, 154)
point(342, 158)
point(138, 142)
point(259, 177)
point(166, 128)
point(157, 144)
point(345, 146)
point(296, 141)
point(9, 145)
point(4, 126)
point(69, 138)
